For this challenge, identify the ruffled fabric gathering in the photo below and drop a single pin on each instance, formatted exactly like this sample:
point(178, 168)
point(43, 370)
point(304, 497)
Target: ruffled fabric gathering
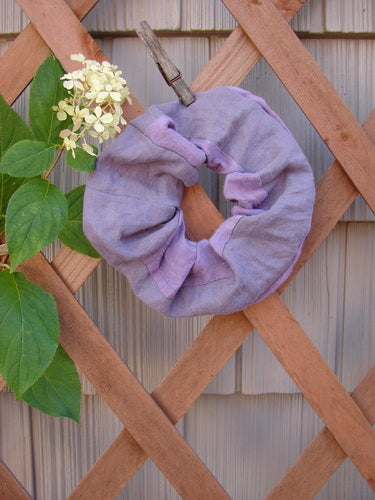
point(132, 212)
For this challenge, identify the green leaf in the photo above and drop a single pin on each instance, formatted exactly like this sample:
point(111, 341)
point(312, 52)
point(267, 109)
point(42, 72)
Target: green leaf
point(36, 213)
point(58, 391)
point(46, 91)
point(29, 330)
point(83, 162)
point(12, 127)
point(8, 185)
point(72, 233)
point(27, 158)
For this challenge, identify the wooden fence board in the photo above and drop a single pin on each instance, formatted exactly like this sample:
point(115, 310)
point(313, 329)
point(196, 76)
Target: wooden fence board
point(309, 86)
point(45, 14)
point(73, 268)
point(143, 418)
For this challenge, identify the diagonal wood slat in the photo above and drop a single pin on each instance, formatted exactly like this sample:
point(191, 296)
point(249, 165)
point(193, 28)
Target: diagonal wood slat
point(46, 16)
point(323, 456)
point(303, 362)
point(349, 192)
point(29, 50)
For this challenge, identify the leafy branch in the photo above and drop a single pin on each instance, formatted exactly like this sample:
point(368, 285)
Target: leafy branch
point(34, 212)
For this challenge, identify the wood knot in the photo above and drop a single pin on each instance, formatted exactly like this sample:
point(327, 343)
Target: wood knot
point(344, 136)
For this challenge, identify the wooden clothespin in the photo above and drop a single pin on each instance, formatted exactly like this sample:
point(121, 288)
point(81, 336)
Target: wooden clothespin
point(169, 71)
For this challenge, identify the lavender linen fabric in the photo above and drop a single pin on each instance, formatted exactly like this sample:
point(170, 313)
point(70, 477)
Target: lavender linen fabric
point(132, 215)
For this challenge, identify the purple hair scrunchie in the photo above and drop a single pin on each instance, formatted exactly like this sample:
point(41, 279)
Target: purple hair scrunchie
point(131, 204)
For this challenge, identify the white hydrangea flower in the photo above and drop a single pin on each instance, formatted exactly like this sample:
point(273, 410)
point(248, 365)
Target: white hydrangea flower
point(96, 93)
point(61, 110)
point(99, 120)
point(70, 140)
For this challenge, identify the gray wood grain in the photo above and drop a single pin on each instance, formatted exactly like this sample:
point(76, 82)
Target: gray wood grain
point(357, 343)
point(16, 443)
point(249, 442)
point(350, 16)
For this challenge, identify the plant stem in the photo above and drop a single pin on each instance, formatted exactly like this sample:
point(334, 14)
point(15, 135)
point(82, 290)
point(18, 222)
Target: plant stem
point(47, 173)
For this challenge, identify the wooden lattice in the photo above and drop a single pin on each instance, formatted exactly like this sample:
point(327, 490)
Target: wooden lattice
point(149, 419)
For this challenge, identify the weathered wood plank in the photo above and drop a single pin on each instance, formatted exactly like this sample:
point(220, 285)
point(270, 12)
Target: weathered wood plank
point(58, 454)
point(204, 15)
point(125, 16)
point(12, 19)
point(63, 450)
point(261, 430)
point(357, 346)
point(350, 16)
point(309, 86)
point(185, 16)
point(16, 444)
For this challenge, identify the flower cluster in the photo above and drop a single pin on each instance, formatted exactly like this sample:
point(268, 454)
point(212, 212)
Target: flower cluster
point(96, 93)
